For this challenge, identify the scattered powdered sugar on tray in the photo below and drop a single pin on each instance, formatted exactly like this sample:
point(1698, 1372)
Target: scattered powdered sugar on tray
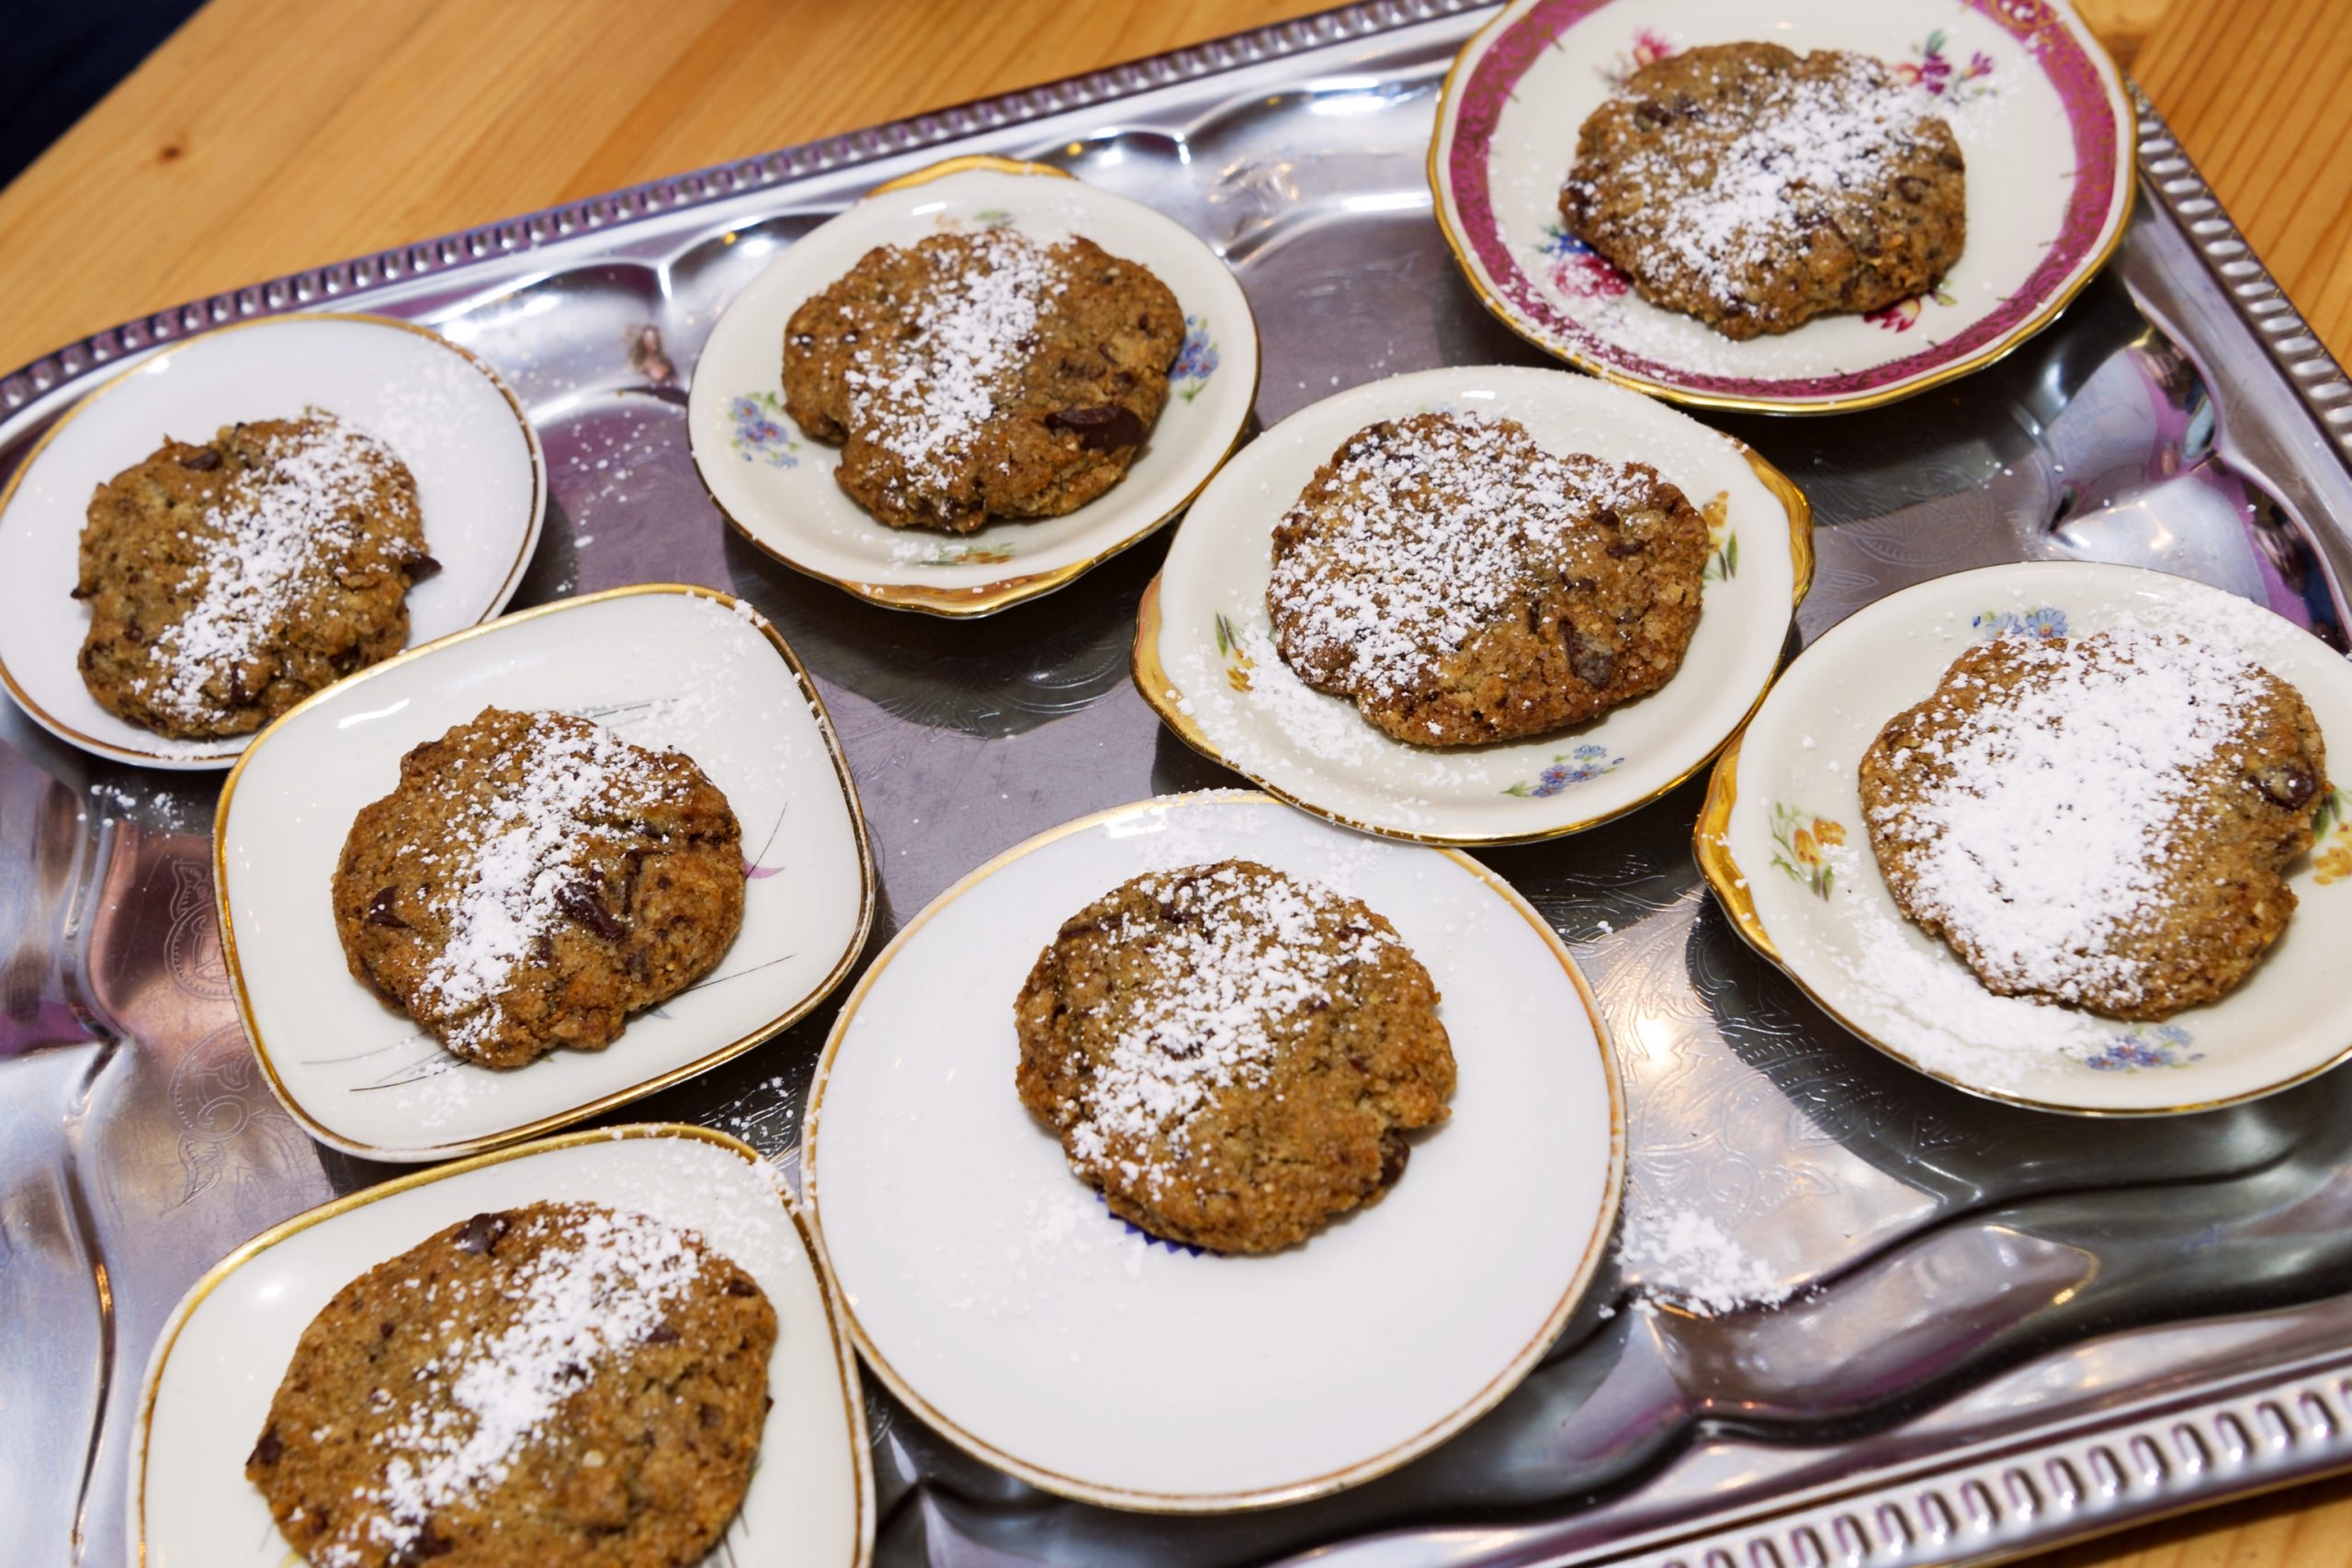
point(1687, 1257)
point(492, 1394)
point(273, 530)
point(528, 834)
point(2043, 828)
point(925, 397)
point(1240, 952)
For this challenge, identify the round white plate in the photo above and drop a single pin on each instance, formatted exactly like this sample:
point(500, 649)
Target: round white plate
point(227, 1345)
point(993, 1293)
point(481, 485)
point(776, 485)
point(2037, 106)
point(1817, 907)
point(1205, 657)
point(661, 665)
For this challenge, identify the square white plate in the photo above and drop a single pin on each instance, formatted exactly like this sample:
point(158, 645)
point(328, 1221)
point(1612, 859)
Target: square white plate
point(222, 1354)
point(659, 665)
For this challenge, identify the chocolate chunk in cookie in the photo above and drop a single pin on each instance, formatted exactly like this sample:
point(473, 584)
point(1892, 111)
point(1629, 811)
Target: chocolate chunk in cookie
point(534, 880)
point(983, 374)
point(1756, 188)
point(1232, 1056)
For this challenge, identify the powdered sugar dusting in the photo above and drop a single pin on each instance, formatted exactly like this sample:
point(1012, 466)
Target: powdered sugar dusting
point(1687, 1256)
point(1239, 955)
point(925, 398)
point(1427, 531)
point(606, 1287)
point(2044, 829)
point(527, 836)
point(274, 529)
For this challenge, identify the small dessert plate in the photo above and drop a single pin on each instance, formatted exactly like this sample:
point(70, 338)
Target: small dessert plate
point(776, 485)
point(1782, 841)
point(225, 1347)
point(1205, 657)
point(992, 1292)
point(659, 665)
point(2038, 108)
point(480, 486)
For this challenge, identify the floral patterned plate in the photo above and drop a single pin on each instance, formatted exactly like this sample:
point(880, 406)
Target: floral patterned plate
point(1781, 841)
point(2039, 109)
point(1205, 657)
point(776, 485)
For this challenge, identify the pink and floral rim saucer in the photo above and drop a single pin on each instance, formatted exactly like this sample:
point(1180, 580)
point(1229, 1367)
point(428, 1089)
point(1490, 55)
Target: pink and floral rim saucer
point(2039, 109)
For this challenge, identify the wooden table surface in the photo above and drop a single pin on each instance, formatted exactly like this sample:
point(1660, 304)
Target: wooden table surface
point(271, 135)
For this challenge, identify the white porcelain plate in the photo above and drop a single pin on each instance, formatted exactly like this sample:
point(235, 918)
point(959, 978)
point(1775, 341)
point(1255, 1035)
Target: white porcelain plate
point(226, 1347)
point(1782, 842)
point(776, 485)
point(995, 1294)
point(659, 665)
point(480, 486)
point(2038, 109)
point(1204, 656)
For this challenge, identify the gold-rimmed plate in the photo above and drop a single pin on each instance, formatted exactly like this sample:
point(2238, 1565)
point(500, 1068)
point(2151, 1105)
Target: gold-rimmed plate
point(993, 1293)
point(221, 1355)
point(480, 481)
point(776, 485)
point(1205, 657)
point(659, 664)
point(1782, 842)
point(2039, 110)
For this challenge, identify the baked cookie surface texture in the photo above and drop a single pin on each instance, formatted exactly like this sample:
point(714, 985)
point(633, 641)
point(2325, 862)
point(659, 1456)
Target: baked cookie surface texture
point(533, 880)
point(2104, 822)
point(1232, 1056)
point(230, 580)
point(1756, 189)
point(552, 1384)
point(1461, 584)
point(982, 375)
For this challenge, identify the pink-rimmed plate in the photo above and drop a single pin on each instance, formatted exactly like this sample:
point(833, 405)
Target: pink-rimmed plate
point(2039, 109)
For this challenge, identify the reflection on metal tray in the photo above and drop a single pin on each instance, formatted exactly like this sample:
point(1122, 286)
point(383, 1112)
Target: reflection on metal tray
point(2005, 1332)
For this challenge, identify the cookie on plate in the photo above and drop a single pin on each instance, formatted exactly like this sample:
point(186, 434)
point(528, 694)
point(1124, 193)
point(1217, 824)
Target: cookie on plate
point(551, 1384)
point(982, 375)
point(228, 581)
point(1232, 1056)
point(534, 879)
point(2103, 822)
point(1756, 189)
point(1463, 585)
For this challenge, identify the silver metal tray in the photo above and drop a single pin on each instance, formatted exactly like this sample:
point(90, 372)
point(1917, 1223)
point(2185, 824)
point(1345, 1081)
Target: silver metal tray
point(2008, 1330)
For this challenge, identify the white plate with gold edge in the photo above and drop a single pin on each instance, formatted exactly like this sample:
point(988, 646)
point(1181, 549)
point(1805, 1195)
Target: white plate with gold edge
point(1781, 840)
point(226, 1347)
point(1205, 657)
point(2039, 110)
point(480, 486)
point(661, 665)
point(776, 485)
point(993, 1293)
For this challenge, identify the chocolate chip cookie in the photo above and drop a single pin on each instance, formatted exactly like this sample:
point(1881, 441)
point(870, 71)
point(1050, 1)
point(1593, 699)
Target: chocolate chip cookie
point(1756, 189)
point(1232, 1056)
point(552, 1384)
point(982, 375)
point(2104, 822)
point(534, 879)
point(228, 581)
point(1462, 585)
